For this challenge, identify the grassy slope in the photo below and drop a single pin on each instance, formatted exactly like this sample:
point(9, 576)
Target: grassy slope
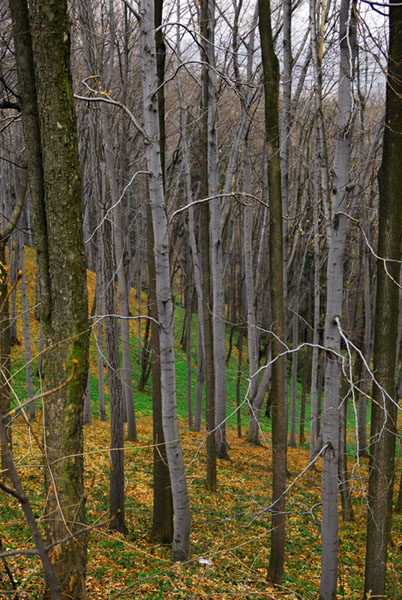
point(230, 528)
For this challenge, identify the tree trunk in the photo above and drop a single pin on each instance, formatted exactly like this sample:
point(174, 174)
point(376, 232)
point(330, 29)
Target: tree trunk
point(27, 338)
point(344, 477)
point(162, 522)
point(58, 236)
point(116, 398)
point(278, 389)
point(332, 341)
point(58, 229)
point(206, 269)
point(181, 536)
point(5, 346)
point(383, 411)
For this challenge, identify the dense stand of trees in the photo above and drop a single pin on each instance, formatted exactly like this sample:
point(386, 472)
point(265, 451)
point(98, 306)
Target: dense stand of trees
point(223, 156)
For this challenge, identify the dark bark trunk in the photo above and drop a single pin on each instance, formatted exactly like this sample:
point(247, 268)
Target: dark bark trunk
point(383, 411)
point(278, 390)
point(116, 473)
point(5, 346)
point(344, 477)
point(50, 138)
point(206, 271)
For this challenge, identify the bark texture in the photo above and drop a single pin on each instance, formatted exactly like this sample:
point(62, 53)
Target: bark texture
point(278, 390)
point(332, 338)
point(383, 411)
point(181, 534)
point(56, 191)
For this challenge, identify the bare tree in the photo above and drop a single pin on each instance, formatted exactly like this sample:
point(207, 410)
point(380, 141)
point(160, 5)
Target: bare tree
point(384, 408)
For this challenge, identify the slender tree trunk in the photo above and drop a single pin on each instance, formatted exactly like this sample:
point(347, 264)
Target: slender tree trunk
point(181, 535)
point(383, 410)
point(239, 379)
point(116, 473)
point(206, 269)
point(99, 328)
point(278, 389)
point(119, 249)
point(162, 521)
point(344, 477)
point(398, 505)
point(5, 346)
point(189, 314)
point(303, 400)
point(27, 337)
point(329, 524)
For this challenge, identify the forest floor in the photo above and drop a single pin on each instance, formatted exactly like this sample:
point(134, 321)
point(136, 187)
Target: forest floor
point(230, 528)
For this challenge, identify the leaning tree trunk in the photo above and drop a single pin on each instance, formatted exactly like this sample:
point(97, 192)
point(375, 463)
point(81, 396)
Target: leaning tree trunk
point(383, 412)
point(278, 389)
point(338, 225)
point(181, 534)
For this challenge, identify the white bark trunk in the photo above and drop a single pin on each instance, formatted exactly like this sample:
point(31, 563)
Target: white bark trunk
point(181, 535)
point(329, 525)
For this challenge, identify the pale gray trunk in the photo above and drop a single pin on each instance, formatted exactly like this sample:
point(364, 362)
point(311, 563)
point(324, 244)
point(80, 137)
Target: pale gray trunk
point(295, 355)
point(181, 535)
point(316, 51)
point(338, 224)
point(252, 331)
point(315, 405)
point(219, 329)
point(191, 234)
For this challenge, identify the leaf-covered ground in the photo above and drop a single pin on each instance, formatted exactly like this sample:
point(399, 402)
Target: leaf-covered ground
point(230, 528)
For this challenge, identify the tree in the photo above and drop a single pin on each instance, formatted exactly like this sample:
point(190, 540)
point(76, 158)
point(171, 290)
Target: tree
point(278, 389)
point(207, 9)
point(181, 533)
point(44, 75)
point(162, 521)
point(384, 408)
point(5, 366)
point(333, 322)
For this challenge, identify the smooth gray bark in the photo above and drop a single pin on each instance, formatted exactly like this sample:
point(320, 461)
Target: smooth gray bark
point(181, 534)
point(332, 340)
